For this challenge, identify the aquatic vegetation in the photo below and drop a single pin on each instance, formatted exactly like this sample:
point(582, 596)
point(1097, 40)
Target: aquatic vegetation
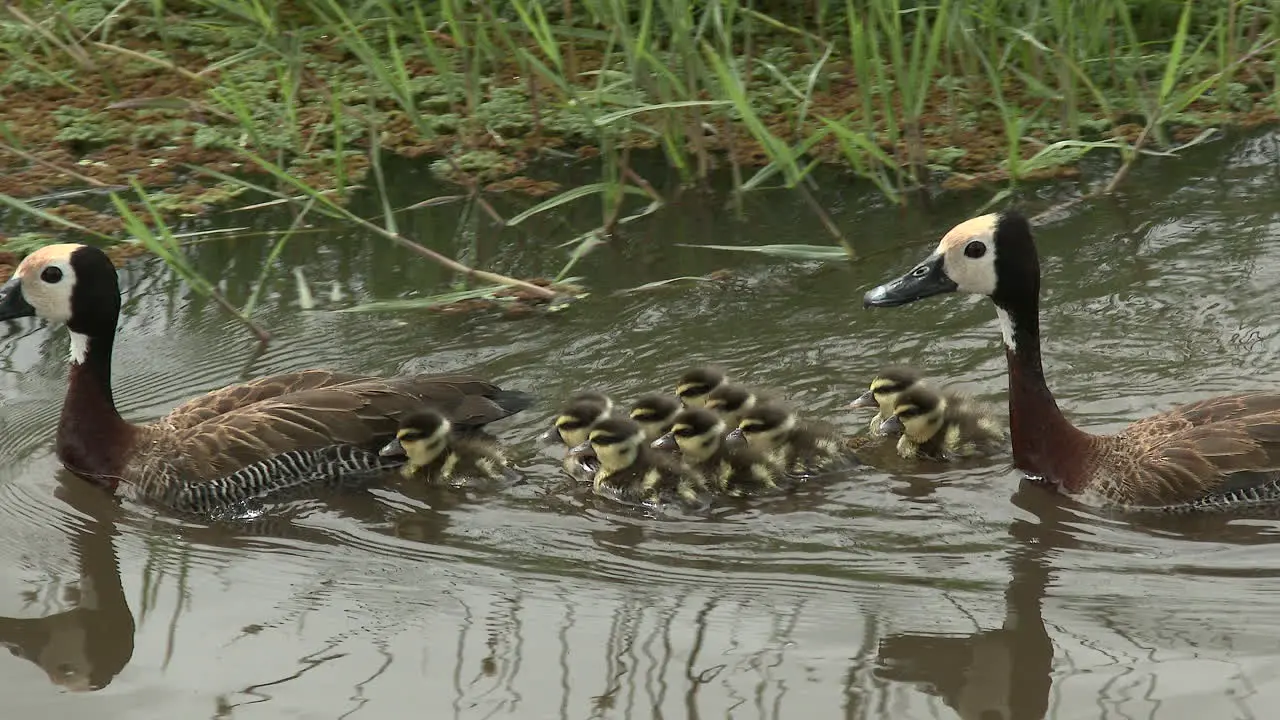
point(307, 95)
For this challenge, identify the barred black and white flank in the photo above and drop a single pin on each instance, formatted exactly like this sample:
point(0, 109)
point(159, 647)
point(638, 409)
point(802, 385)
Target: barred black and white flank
point(289, 473)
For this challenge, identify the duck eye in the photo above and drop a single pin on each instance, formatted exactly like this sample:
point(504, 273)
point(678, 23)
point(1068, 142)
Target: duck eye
point(920, 271)
point(51, 275)
point(569, 425)
point(975, 249)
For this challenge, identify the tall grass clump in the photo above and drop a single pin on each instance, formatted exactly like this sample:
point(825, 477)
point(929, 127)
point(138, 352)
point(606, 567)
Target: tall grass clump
point(906, 96)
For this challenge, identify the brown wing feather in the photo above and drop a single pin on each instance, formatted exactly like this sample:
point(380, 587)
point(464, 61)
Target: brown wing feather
point(1203, 447)
point(197, 410)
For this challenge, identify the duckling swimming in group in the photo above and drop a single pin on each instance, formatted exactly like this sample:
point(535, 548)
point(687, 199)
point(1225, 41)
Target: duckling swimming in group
point(432, 453)
point(698, 435)
point(694, 386)
point(593, 396)
point(800, 447)
point(885, 388)
point(729, 401)
point(654, 412)
point(576, 418)
point(571, 427)
point(634, 473)
point(941, 426)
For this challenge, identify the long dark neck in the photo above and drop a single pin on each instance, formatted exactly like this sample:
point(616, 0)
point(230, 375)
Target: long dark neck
point(93, 440)
point(1045, 443)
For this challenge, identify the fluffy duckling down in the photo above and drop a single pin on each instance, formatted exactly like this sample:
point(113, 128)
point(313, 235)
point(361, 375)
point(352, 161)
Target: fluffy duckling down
point(571, 423)
point(883, 393)
point(632, 472)
point(799, 447)
point(729, 401)
point(654, 413)
point(941, 426)
point(695, 385)
point(698, 436)
point(433, 453)
point(570, 428)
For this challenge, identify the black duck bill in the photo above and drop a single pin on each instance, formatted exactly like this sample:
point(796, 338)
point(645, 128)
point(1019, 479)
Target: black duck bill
point(865, 400)
point(13, 304)
point(927, 279)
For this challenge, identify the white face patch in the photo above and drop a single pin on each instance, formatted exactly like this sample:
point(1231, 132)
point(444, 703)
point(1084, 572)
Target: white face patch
point(969, 255)
point(47, 281)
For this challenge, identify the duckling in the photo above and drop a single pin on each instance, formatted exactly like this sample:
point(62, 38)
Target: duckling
point(799, 447)
point(695, 385)
point(654, 412)
point(593, 396)
point(698, 435)
point(887, 385)
point(576, 418)
point(941, 426)
point(729, 401)
point(431, 452)
point(632, 472)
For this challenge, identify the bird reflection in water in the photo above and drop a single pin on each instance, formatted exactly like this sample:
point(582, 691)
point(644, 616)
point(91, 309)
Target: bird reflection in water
point(83, 648)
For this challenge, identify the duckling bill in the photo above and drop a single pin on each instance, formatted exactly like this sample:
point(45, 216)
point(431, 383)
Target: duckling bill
point(631, 472)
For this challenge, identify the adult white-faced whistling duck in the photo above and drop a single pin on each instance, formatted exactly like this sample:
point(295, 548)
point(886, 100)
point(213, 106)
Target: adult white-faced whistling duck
point(214, 435)
point(1217, 454)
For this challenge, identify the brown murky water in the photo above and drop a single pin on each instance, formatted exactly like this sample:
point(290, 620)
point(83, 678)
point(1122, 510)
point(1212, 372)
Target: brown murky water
point(897, 592)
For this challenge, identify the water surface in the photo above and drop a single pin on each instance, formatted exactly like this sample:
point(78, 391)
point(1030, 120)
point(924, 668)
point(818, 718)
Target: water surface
point(896, 592)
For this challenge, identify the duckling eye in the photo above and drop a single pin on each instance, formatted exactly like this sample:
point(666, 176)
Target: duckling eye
point(412, 435)
point(975, 249)
point(605, 440)
point(51, 274)
point(570, 424)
